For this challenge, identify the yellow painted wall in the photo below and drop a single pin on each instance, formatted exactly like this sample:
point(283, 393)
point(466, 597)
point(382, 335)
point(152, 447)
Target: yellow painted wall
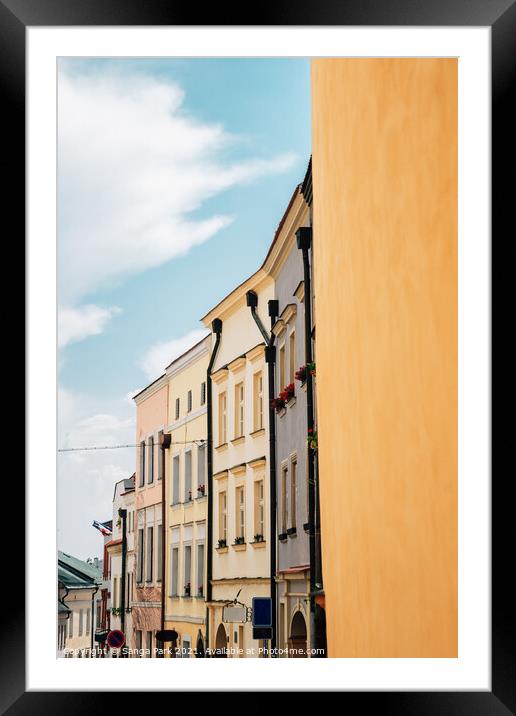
point(385, 236)
point(187, 519)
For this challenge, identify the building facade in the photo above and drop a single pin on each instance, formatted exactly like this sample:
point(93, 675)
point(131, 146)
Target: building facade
point(123, 498)
point(293, 563)
point(240, 420)
point(78, 587)
point(151, 422)
point(186, 500)
point(385, 242)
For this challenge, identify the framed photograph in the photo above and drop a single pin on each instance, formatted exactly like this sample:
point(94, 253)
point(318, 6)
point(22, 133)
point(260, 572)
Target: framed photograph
point(258, 366)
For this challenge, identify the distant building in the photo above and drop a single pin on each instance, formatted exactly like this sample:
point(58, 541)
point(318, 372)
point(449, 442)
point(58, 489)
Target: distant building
point(187, 499)
point(151, 421)
point(123, 498)
point(78, 584)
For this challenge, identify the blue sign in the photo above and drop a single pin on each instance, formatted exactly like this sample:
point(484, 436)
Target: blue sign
point(262, 612)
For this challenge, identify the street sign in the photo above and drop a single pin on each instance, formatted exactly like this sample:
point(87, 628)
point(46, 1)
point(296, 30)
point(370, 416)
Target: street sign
point(262, 612)
point(116, 639)
point(167, 635)
point(234, 613)
point(262, 632)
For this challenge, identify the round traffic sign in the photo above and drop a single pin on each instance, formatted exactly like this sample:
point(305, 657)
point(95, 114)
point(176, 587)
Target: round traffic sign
point(116, 638)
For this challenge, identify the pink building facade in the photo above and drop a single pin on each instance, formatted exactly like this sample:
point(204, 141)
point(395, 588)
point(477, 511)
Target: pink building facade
point(151, 420)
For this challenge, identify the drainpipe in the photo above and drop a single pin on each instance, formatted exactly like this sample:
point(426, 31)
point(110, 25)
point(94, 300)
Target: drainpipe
point(270, 359)
point(216, 327)
point(62, 601)
point(93, 616)
point(122, 512)
point(164, 444)
point(318, 632)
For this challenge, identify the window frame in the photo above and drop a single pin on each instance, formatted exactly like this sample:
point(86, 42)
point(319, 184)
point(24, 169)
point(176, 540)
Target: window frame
point(239, 395)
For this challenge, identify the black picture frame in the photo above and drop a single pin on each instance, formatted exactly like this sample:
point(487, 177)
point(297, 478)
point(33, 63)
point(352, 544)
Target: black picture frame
point(500, 16)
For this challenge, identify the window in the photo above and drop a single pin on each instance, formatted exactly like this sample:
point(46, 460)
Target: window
point(189, 401)
point(81, 622)
point(140, 555)
point(281, 635)
point(161, 457)
point(150, 548)
point(142, 464)
point(159, 570)
point(292, 357)
point(88, 621)
point(186, 648)
point(241, 641)
point(258, 508)
point(293, 491)
point(177, 408)
point(258, 400)
point(174, 570)
point(188, 571)
point(150, 479)
point(282, 367)
point(240, 511)
point(223, 516)
point(138, 642)
point(129, 583)
point(201, 469)
point(239, 410)
point(115, 591)
point(200, 570)
point(203, 393)
point(175, 479)
point(70, 624)
point(284, 498)
point(188, 475)
point(149, 644)
point(222, 418)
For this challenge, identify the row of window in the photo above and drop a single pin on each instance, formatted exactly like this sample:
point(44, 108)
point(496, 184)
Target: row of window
point(84, 622)
point(61, 636)
point(240, 513)
point(149, 557)
point(189, 401)
point(150, 462)
point(239, 427)
point(182, 487)
point(116, 598)
point(187, 577)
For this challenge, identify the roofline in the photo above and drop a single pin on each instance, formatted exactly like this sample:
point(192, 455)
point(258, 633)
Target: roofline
point(261, 272)
point(195, 345)
point(148, 386)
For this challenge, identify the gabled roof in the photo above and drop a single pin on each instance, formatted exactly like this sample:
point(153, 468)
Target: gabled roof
point(72, 570)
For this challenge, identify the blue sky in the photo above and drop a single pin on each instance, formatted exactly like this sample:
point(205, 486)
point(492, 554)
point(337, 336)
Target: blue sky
point(172, 178)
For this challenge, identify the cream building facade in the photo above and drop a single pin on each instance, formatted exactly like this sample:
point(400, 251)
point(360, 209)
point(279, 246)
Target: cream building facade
point(78, 589)
point(186, 499)
point(240, 556)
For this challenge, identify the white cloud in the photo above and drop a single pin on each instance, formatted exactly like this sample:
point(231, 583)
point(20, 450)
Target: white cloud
point(132, 165)
point(86, 479)
point(75, 324)
point(161, 354)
